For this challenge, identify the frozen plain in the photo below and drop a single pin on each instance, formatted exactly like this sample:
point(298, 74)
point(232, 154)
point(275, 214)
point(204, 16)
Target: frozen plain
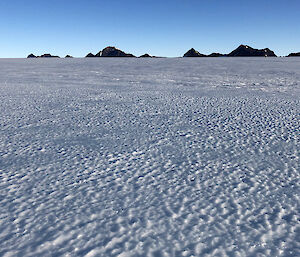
point(149, 157)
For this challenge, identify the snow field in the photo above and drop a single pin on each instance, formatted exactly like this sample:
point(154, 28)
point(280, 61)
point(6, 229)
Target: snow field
point(159, 157)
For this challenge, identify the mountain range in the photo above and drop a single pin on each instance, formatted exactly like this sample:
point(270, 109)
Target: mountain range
point(241, 51)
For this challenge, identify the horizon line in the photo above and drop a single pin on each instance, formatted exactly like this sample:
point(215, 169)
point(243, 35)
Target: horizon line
point(204, 55)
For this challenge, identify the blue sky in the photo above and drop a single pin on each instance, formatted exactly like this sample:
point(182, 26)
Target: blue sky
point(163, 28)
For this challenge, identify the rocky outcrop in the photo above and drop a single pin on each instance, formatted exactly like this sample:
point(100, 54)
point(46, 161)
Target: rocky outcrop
point(68, 56)
point(193, 53)
point(146, 56)
point(294, 55)
point(90, 55)
point(48, 56)
point(216, 55)
point(111, 51)
point(43, 56)
point(247, 51)
point(31, 56)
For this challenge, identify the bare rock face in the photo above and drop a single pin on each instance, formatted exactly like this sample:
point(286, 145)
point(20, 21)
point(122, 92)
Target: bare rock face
point(43, 56)
point(247, 51)
point(31, 56)
point(145, 56)
point(90, 55)
point(294, 55)
point(193, 53)
point(48, 56)
point(216, 55)
point(68, 56)
point(111, 51)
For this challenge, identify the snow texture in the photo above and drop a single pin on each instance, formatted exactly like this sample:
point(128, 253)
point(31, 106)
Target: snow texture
point(149, 157)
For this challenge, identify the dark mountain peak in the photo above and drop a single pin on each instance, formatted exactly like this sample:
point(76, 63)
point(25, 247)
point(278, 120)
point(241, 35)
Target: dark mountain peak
point(31, 56)
point(294, 55)
point(68, 56)
point(43, 56)
point(216, 55)
point(112, 51)
point(90, 55)
point(193, 53)
point(48, 56)
point(145, 56)
point(245, 50)
point(244, 46)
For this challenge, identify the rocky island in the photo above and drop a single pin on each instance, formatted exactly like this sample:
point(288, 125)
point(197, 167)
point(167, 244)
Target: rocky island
point(247, 51)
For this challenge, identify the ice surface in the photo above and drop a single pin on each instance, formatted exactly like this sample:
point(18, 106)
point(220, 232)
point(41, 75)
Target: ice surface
point(149, 157)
